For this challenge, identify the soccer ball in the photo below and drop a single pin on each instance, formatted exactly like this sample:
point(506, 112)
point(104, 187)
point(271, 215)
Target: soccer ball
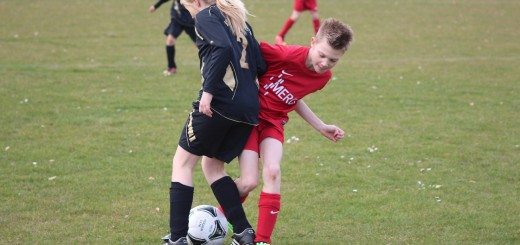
point(207, 226)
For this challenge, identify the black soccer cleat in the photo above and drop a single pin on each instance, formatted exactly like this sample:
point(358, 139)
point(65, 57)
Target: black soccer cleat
point(247, 237)
point(180, 241)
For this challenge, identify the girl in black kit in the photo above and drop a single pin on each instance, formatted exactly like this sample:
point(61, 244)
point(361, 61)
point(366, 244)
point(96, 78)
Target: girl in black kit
point(223, 116)
point(181, 20)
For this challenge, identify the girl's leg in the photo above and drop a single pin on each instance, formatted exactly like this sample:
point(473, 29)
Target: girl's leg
point(181, 192)
point(226, 193)
point(248, 179)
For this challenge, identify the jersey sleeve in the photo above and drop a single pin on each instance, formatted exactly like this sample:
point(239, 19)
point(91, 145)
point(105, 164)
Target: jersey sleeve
point(261, 65)
point(159, 3)
point(272, 52)
point(212, 31)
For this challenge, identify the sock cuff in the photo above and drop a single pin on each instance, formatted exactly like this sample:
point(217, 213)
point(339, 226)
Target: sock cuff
point(221, 181)
point(269, 199)
point(181, 187)
point(243, 199)
point(270, 195)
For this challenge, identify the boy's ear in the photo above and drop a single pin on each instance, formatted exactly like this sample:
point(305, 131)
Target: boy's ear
point(313, 41)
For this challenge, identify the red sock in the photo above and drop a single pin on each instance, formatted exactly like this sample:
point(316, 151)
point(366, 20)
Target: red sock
point(286, 27)
point(268, 208)
point(316, 23)
point(242, 199)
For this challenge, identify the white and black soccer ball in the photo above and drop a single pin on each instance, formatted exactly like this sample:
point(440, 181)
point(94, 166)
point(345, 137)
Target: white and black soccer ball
point(207, 226)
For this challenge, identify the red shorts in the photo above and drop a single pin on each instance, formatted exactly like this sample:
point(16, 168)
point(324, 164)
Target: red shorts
point(265, 129)
point(302, 5)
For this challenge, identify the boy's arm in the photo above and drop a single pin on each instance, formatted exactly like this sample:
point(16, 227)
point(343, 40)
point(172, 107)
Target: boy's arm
point(332, 132)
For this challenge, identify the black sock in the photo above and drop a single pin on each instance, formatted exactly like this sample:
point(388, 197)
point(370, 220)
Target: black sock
point(181, 198)
point(226, 192)
point(170, 55)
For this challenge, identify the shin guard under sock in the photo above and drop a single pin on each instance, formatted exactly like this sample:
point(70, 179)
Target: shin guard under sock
point(268, 208)
point(316, 24)
point(286, 27)
point(170, 56)
point(242, 200)
point(181, 198)
point(226, 192)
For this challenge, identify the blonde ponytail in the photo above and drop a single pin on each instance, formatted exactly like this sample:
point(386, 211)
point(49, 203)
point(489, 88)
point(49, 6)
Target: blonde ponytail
point(236, 14)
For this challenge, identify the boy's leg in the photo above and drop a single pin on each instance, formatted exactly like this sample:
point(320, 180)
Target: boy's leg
point(268, 208)
point(248, 179)
point(271, 151)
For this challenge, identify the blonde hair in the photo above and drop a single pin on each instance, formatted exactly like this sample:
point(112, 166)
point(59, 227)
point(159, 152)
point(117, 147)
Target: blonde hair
point(236, 14)
point(234, 11)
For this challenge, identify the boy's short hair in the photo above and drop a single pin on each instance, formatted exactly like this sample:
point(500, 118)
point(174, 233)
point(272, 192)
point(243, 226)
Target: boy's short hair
point(338, 35)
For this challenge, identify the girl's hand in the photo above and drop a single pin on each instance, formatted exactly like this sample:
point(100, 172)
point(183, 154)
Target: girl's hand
point(205, 104)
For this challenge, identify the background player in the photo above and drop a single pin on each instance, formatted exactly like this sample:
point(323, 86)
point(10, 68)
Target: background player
point(299, 7)
point(181, 20)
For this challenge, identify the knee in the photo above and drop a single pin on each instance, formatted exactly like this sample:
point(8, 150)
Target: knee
point(247, 185)
point(295, 15)
point(271, 173)
point(170, 40)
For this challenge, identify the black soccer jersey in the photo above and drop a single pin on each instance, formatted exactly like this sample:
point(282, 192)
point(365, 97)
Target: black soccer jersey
point(178, 12)
point(227, 73)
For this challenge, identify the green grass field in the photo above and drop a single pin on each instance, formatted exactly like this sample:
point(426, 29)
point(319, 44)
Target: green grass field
point(429, 95)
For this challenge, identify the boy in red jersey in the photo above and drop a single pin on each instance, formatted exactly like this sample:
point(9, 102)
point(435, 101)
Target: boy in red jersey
point(299, 7)
point(292, 73)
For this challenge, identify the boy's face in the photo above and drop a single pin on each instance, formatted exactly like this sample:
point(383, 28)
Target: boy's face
point(322, 57)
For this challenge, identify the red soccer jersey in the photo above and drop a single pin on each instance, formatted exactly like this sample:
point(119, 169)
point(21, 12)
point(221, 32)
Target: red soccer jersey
point(286, 81)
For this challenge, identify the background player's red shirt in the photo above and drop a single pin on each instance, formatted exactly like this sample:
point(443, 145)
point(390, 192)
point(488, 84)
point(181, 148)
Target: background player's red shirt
point(286, 81)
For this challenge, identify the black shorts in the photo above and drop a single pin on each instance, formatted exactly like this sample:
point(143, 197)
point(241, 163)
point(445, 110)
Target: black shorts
point(215, 137)
point(175, 29)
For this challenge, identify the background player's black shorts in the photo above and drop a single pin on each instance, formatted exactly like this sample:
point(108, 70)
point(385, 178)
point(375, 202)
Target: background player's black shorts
point(215, 137)
point(175, 29)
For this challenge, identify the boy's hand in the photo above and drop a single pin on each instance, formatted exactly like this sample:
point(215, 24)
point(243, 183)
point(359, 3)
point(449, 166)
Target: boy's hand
point(151, 9)
point(332, 132)
point(205, 104)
